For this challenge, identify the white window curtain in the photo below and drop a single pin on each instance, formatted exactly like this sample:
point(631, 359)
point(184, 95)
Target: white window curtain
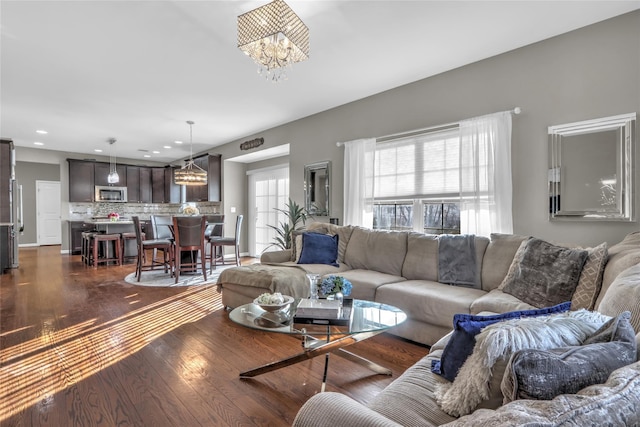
point(485, 175)
point(358, 182)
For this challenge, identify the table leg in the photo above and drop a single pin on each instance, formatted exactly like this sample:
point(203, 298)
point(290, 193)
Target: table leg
point(321, 348)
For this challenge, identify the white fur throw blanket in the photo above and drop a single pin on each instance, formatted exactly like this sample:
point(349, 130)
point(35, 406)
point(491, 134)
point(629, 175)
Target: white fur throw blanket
point(500, 340)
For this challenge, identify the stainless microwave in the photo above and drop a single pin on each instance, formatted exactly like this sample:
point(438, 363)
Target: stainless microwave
point(110, 194)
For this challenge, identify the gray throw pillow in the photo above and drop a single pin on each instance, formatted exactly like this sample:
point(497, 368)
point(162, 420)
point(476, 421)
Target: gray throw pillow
point(624, 295)
point(545, 274)
point(543, 375)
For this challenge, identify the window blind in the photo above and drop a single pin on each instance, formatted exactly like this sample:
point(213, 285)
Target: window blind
point(418, 166)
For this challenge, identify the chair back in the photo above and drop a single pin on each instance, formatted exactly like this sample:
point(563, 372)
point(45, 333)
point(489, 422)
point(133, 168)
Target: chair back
point(215, 225)
point(160, 225)
point(189, 230)
point(138, 229)
point(238, 227)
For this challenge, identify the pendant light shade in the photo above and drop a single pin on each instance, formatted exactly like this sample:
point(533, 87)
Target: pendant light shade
point(190, 173)
point(113, 177)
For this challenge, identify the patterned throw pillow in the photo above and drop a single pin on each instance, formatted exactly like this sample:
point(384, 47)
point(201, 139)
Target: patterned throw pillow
point(590, 280)
point(546, 274)
point(545, 374)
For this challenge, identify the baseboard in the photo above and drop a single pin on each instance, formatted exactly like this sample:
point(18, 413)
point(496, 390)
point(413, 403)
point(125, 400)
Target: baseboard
point(28, 245)
point(65, 251)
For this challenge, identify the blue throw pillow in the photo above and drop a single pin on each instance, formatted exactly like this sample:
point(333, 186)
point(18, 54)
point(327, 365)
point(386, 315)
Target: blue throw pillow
point(465, 329)
point(319, 248)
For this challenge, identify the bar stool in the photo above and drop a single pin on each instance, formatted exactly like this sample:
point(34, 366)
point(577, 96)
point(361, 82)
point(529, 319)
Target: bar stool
point(115, 238)
point(86, 250)
point(125, 237)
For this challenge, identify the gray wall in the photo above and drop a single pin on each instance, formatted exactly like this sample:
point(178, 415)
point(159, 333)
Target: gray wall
point(588, 73)
point(27, 174)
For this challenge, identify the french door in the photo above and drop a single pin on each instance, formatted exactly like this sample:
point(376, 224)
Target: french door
point(268, 190)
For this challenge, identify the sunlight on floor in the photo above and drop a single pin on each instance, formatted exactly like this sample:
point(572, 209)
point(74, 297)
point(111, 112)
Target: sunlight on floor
point(33, 371)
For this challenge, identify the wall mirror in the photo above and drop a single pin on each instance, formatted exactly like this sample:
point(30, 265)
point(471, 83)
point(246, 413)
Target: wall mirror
point(591, 169)
point(317, 188)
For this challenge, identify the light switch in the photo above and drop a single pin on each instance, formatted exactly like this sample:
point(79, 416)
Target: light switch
point(233, 209)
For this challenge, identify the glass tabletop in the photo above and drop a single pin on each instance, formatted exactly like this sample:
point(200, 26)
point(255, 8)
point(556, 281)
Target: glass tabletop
point(358, 316)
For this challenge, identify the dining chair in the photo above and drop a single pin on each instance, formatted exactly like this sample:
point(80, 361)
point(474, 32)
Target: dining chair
point(165, 245)
point(161, 226)
point(221, 242)
point(215, 228)
point(188, 232)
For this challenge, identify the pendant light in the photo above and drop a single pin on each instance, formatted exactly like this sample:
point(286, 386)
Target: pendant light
point(113, 177)
point(190, 173)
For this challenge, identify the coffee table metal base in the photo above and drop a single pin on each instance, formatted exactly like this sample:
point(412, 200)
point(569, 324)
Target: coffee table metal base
point(317, 348)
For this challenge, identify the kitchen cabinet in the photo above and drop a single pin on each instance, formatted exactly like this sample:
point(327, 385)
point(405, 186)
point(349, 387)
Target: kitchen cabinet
point(102, 172)
point(76, 228)
point(211, 191)
point(81, 180)
point(157, 185)
point(138, 184)
point(6, 146)
point(171, 189)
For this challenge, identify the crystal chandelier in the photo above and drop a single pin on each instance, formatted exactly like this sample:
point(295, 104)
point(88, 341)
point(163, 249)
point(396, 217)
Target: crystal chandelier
point(113, 177)
point(190, 173)
point(274, 37)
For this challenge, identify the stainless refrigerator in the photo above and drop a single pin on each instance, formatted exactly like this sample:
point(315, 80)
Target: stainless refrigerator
point(11, 221)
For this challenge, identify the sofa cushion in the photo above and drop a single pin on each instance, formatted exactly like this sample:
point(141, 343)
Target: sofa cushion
point(621, 256)
point(409, 400)
point(465, 329)
point(366, 282)
point(497, 301)
point(590, 280)
point(546, 274)
point(376, 250)
point(421, 261)
point(342, 231)
point(614, 403)
point(543, 375)
point(623, 295)
point(319, 249)
point(497, 258)
point(430, 302)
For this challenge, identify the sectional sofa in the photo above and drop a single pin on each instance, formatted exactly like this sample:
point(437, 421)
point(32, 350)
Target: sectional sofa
point(407, 270)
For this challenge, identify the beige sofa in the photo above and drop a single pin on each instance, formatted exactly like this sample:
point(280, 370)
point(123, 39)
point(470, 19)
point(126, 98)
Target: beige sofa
point(401, 269)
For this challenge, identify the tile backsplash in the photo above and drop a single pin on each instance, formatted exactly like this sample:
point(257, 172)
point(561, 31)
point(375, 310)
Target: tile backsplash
point(84, 211)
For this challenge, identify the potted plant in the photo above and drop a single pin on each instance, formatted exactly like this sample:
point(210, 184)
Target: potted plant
point(296, 217)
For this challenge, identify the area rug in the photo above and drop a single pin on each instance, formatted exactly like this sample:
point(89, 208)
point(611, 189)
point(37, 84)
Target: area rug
point(159, 278)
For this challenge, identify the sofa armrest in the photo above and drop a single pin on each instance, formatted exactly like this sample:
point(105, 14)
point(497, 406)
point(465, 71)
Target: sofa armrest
point(331, 409)
point(275, 256)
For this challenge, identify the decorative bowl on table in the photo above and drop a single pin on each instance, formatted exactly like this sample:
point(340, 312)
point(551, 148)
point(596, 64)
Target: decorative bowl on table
point(273, 302)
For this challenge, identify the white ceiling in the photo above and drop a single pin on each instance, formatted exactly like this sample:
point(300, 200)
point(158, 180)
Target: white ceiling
point(86, 71)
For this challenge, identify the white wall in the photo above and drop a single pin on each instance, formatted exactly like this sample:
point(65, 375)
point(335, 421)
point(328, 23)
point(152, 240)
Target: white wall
point(588, 73)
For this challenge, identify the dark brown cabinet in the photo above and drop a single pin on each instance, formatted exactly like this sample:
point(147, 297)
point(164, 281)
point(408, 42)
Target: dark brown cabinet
point(157, 185)
point(138, 184)
point(211, 191)
point(171, 189)
point(102, 172)
point(81, 180)
point(6, 145)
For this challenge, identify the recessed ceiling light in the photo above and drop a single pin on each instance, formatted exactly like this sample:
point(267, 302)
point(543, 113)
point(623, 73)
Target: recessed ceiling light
point(97, 150)
point(155, 152)
point(168, 147)
point(42, 132)
point(178, 142)
point(147, 155)
point(38, 143)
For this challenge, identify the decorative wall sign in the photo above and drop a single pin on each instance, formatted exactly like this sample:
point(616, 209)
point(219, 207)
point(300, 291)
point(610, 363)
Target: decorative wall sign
point(254, 143)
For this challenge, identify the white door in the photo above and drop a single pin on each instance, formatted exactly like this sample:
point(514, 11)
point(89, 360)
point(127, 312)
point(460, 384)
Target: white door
point(48, 212)
point(268, 190)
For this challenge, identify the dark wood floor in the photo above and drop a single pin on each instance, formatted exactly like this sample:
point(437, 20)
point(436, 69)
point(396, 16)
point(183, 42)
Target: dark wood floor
point(79, 346)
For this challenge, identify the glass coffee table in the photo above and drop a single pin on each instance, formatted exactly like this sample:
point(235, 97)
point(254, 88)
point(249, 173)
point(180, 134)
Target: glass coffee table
point(359, 320)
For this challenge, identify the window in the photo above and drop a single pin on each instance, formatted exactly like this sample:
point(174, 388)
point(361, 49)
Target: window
point(393, 216)
point(423, 171)
point(441, 218)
